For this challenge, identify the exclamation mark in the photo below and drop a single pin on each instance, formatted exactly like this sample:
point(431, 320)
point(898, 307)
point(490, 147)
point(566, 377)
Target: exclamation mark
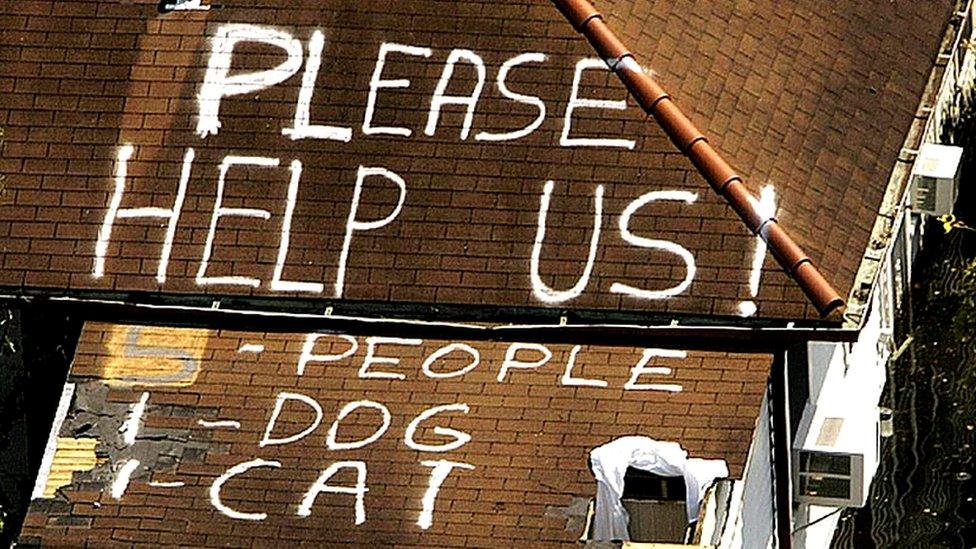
point(767, 209)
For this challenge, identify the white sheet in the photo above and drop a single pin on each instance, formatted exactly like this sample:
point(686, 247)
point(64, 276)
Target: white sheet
point(610, 462)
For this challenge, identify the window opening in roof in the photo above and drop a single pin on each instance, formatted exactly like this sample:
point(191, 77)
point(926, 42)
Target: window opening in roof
point(656, 507)
point(647, 490)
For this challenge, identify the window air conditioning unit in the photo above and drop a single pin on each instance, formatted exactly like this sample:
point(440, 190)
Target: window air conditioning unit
point(836, 456)
point(935, 179)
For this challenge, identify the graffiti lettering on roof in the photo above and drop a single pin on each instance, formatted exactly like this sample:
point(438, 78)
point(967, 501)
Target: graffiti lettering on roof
point(291, 409)
point(323, 237)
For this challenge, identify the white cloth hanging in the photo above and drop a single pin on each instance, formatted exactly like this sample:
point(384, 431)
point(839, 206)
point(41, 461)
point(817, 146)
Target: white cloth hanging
point(610, 461)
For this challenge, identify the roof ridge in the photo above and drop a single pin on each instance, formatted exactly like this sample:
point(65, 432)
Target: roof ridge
point(693, 144)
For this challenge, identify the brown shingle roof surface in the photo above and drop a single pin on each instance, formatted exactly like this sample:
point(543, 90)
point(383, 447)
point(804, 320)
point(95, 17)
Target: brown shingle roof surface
point(530, 435)
point(814, 101)
point(692, 142)
point(811, 100)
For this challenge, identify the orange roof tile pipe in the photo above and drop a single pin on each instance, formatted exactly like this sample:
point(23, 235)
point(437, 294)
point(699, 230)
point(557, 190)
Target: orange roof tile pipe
point(722, 178)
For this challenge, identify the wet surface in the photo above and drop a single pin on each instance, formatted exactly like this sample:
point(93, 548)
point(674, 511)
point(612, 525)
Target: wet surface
point(924, 494)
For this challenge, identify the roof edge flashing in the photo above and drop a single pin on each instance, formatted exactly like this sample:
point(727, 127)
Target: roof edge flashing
point(895, 199)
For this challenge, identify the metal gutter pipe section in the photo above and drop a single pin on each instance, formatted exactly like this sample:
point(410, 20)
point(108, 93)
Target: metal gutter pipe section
point(689, 337)
point(781, 448)
point(722, 178)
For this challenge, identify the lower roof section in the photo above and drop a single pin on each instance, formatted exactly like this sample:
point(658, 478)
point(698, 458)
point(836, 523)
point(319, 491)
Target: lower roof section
point(216, 437)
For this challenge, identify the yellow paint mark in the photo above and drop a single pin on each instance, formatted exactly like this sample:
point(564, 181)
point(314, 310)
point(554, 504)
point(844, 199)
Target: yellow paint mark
point(154, 356)
point(71, 455)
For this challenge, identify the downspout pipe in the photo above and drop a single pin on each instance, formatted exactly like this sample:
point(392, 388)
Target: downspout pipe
point(782, 442)
point(686, 137)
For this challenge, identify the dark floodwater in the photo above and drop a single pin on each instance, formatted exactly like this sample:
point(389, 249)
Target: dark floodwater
point(924, 494)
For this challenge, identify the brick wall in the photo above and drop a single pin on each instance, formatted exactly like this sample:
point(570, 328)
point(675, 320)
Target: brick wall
point(529, 436)
point(809, 100)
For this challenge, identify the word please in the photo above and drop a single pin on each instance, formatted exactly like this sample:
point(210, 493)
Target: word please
point(220, 83)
